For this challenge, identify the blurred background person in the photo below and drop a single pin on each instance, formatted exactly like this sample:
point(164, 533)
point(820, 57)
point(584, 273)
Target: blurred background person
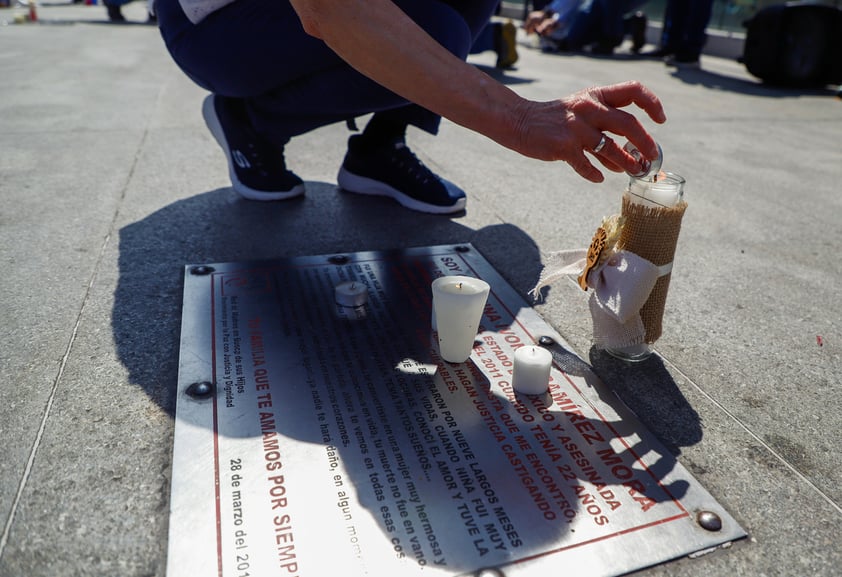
point(683, 36)
point(501, 37)
point(596, 25)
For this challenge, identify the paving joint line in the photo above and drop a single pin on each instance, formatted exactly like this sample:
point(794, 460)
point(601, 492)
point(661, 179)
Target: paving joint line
point(36, 444)
point(757, 438)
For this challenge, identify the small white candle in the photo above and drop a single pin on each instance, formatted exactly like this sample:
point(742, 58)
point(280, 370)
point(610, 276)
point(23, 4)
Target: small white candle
point(531, 371)
point(664, 189)
point(458, 302)
point(351, 294)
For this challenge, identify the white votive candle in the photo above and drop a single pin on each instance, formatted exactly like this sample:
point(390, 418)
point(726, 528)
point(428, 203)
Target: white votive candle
point(663, 189)
point(458, 302)
point(531, 370)
point(351, 294)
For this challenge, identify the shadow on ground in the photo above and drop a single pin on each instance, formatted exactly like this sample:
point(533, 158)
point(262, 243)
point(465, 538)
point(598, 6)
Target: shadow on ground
point(218, 226)
point(717, 81)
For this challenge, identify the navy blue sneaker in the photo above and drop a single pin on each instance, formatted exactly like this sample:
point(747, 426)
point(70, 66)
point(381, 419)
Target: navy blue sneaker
point(393, 170)
point(255, 165)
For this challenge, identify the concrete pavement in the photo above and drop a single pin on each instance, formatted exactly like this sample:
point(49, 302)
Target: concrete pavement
point(111, 183)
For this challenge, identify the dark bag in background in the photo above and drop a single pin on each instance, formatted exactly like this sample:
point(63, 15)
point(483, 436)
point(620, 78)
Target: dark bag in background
point(795, 44)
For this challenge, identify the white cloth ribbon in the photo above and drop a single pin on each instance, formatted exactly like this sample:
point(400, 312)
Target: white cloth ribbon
point(621, 285)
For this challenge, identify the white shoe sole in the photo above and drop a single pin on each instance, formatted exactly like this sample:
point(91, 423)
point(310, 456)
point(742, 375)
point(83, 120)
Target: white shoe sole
point(351, 182)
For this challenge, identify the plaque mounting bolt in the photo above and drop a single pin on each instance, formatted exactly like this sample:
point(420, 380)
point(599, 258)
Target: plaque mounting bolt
point(463, 248)
point(201, 270)
point(709, 521)
point(338, 259)
point(546, 341)
point(200, 390)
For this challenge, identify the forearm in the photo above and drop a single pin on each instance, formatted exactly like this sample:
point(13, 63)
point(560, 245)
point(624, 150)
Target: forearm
point(383, 43)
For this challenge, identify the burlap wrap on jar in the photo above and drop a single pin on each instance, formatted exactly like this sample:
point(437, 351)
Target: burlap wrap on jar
point(651, 232)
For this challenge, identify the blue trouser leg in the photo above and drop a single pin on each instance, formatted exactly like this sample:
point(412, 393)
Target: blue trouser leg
point(684, 26)
point(291, 82)
point(485, 40)
point(697, 19)
point(583, 25)
point(611, 18)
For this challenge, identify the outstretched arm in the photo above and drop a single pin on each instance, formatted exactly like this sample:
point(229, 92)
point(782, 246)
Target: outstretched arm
point(382, 42)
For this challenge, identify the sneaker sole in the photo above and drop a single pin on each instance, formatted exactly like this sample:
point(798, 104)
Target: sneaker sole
point(212, 121)
point(350, 182)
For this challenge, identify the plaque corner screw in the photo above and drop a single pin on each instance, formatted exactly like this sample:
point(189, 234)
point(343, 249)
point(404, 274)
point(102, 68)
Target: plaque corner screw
point(546, 341)
point(338, 259)
point(201, 270)
point(709, 521)
point(200, 390)
point(462, 248)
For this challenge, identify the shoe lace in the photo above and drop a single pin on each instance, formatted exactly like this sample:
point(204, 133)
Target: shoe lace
point(257, 154)
point(406, 160)
point(260, 153)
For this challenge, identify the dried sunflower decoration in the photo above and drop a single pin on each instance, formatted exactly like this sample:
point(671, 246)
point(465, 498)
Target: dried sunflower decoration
point(582, 262)
point(605, 242)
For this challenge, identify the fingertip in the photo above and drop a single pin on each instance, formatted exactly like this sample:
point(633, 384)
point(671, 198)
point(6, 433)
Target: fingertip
point(591, 175)
point(657, 114)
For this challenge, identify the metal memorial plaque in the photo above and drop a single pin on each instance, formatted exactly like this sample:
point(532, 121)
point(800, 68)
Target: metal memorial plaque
point(313, 439)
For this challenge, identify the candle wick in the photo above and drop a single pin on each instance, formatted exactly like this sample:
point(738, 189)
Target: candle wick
point(353, 285)
point(459, 285)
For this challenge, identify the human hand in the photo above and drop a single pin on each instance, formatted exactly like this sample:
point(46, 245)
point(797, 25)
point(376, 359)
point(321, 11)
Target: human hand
point(546, 27)
point(566, 129)
point(533, 20)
